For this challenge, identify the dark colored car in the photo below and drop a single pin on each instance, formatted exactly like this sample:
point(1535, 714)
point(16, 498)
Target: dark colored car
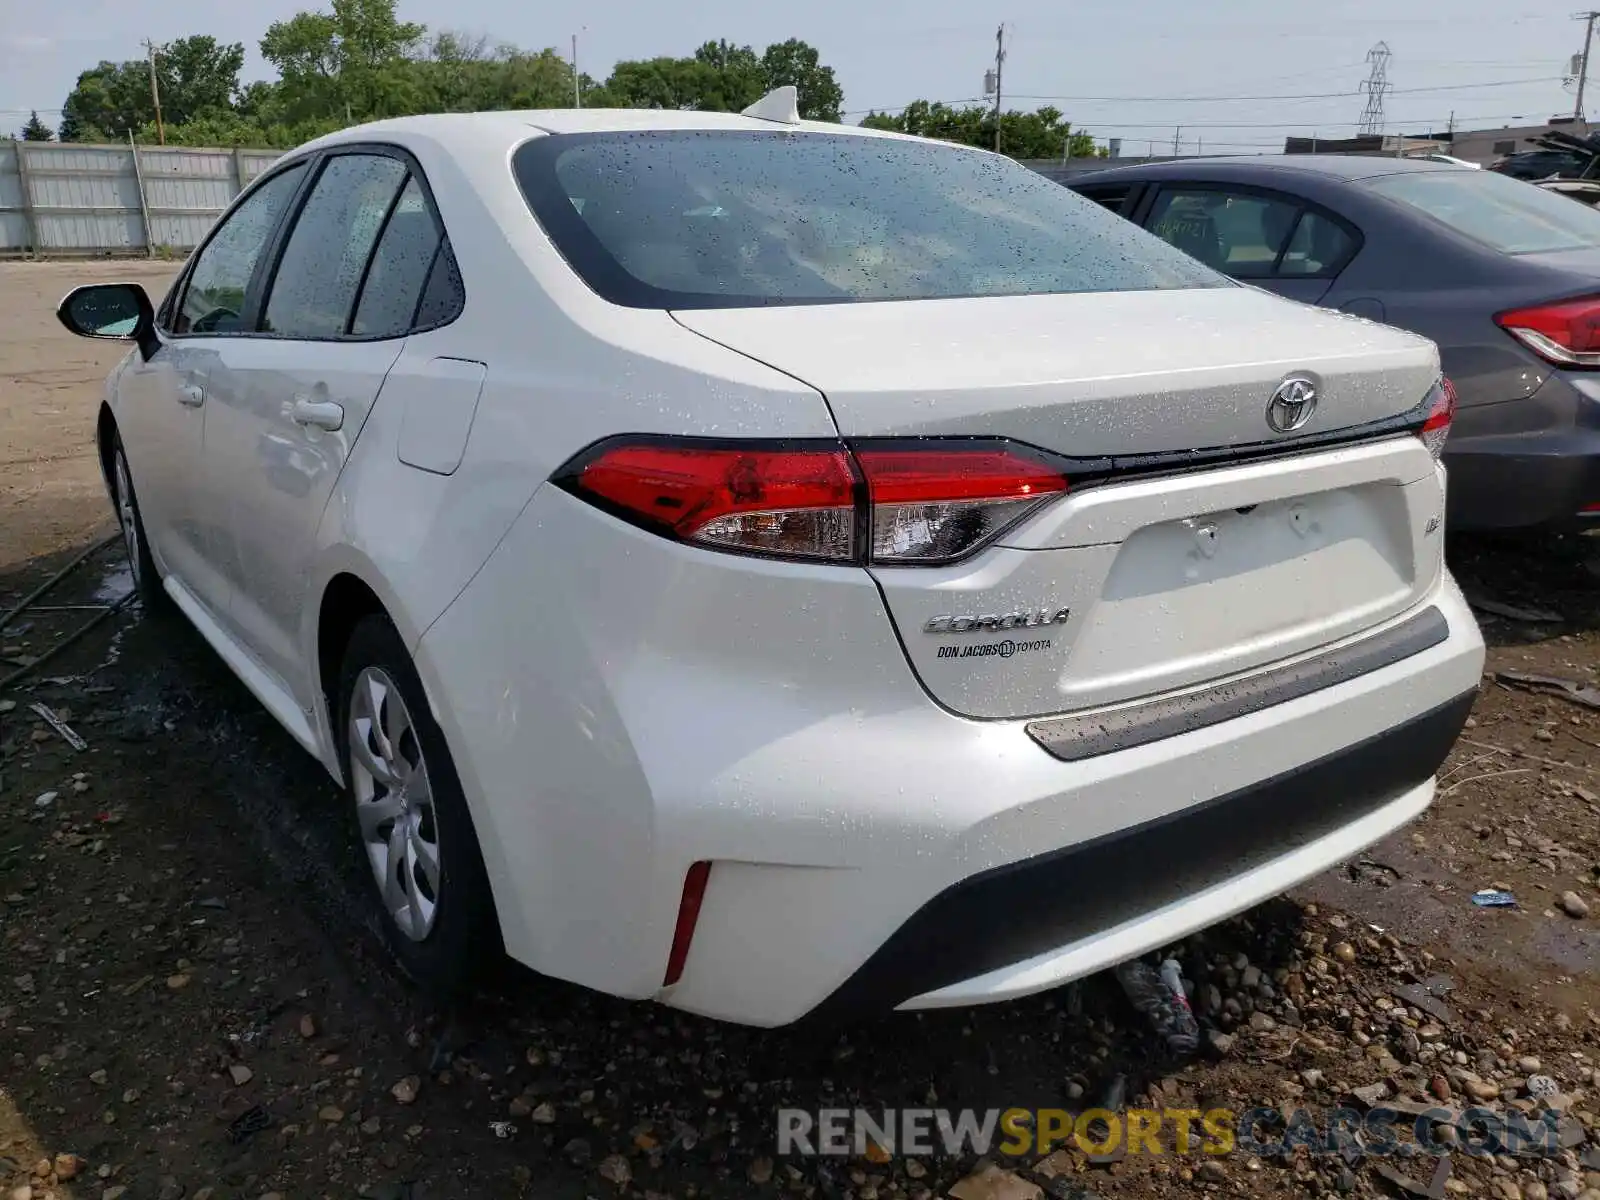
point(1542, 164)
point(1502, 275)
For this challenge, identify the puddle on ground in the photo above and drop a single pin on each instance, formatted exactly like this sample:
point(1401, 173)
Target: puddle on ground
point(116, 581)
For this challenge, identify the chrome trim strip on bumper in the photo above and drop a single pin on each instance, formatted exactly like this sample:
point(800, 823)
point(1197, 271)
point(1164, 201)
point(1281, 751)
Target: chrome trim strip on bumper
point(1077, 736)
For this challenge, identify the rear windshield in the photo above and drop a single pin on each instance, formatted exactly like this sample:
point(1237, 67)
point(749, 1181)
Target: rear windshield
point(729, 219)
point(1504, 213)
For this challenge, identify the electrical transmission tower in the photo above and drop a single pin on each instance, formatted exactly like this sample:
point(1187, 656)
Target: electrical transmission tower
point(1376, 86)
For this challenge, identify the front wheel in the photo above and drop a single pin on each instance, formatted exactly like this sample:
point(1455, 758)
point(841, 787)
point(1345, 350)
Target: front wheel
point(411, 815)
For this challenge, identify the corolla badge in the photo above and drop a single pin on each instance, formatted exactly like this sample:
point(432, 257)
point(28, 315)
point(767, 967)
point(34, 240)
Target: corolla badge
point(1292, 404)
point(991, 622)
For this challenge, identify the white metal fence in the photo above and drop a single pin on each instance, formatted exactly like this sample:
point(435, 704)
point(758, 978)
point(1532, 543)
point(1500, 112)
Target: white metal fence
point(67, 199)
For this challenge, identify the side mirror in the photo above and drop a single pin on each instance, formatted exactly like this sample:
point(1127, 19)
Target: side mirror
point(116, 311)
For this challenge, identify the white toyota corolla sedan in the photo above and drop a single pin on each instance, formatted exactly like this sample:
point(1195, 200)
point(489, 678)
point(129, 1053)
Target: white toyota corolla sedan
point(785, 569)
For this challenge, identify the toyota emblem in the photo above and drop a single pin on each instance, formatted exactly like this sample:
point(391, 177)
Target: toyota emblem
point(1292, 404)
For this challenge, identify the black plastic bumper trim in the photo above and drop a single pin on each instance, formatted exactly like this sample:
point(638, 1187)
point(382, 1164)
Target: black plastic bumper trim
point(1012, 913)
point(1075, 737)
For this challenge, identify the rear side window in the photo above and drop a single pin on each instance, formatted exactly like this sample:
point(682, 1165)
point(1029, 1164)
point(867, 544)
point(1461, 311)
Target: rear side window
point(1238, 233)
point(1248, 234)
point(1317, 246)
point(399, 269)
point(325, 259)
point(698, 219)
point(1503, 213)
point(443, 297)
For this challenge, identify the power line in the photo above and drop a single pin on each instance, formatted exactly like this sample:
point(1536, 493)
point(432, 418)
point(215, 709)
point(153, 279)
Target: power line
point(1412, 121)
point(1315, 27)
point(894, 108)
point(1389, 90)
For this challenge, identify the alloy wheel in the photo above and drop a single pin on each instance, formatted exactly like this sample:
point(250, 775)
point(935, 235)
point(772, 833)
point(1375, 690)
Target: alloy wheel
point(394, 803)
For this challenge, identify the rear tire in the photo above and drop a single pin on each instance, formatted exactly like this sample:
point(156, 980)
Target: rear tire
point(411, 816)
point(146, 578)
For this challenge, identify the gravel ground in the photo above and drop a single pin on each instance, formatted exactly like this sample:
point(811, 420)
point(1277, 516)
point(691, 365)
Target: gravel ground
point(193, 1001)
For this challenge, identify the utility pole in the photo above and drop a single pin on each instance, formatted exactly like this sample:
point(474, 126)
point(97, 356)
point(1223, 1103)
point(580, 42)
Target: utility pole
point(155, 90)
point(1583, 68)
point(1175, 143)
point(577, 93)
point(999, 67)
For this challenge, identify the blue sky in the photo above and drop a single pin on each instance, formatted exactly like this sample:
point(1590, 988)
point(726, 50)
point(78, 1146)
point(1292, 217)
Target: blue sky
point(1237, 75)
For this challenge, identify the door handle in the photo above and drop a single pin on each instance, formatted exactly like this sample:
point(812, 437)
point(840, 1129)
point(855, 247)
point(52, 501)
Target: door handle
point(191, 395)
point(320, 414)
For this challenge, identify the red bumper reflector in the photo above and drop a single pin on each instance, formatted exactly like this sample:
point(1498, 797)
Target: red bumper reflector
point(694, 890)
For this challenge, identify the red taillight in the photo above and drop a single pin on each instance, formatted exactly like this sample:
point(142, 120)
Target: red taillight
point(923, 502)
point(1567, 333)
point(933, 504)
point(774, 501)
point(1441, 413)
point(694, 891)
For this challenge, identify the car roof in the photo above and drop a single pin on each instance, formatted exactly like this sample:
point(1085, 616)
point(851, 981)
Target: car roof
point(511, 127)
point(1336, 166)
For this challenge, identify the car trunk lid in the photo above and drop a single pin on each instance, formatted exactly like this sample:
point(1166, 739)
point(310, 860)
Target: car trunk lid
point(1087, 375)
point(1158, 575)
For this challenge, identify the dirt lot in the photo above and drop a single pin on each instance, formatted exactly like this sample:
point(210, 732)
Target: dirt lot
point(193, 1002)
point(50, 489)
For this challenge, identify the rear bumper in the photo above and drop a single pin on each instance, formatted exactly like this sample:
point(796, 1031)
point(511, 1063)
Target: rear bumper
point(1024, 872)
point(1510, 480)
point(999, 870)
point(1061, 915)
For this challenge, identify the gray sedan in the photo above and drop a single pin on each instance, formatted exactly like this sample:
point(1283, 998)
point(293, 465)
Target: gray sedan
point(1504, 276)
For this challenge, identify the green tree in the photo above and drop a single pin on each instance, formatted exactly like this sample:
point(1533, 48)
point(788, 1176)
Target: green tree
point(109, 98)
point(196, 75)
point(36, 130)
point(357, 61)
point(667, 82)
point(795, 63)
point(258, 100)
point(722, 77)
point(458, 73)
point(353, 62)
point(1039, 134)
